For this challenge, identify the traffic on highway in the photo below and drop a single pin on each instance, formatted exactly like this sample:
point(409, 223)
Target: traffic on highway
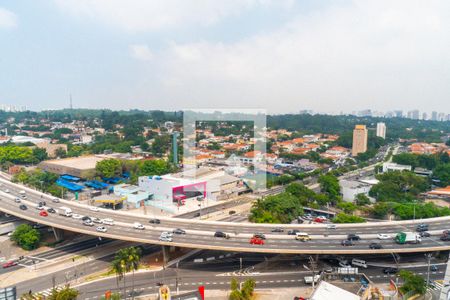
point(309, 238)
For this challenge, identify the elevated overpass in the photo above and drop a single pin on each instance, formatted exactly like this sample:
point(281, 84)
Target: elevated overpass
point(199, 234)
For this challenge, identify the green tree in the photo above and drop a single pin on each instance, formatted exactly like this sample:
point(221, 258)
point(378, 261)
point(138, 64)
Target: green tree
point(26, 237)
point(329, 184)
point(347, 207)
point(344, 218)
point(66, 293)
point(154, 167)
point(245, 293)
point(442, 174)
point(126, 260)
point(281, 208)
point(39, 154)
point(412, 282)
point(362, 199)
point(108, 167)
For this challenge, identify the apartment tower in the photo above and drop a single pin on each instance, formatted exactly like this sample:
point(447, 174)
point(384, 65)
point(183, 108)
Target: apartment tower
point(359, 140)
point(381, 130)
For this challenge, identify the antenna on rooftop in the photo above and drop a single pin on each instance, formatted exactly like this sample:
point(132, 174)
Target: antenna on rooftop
point(71, 106)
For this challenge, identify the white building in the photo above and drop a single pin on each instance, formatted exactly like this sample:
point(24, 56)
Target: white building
point(326, 291)
point(351, 188)
point(171, 191)
point(395, 167)
point(381, 130)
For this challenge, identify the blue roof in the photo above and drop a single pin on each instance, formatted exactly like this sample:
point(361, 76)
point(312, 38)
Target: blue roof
point(70, 177)
point(96, 184)
point(69, 185)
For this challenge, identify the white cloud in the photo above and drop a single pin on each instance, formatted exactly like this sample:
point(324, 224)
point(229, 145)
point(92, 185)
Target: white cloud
point(367, 54)
point(141, 52)
point(148, 15)
point(7, 18)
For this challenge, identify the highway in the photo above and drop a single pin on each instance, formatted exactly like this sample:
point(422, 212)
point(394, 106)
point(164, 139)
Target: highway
point(200, 233)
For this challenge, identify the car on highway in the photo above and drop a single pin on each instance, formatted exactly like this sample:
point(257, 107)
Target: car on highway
point(347, 243)
point(422, 227)
point(23, 207)
point(424, 234)
point(77, 216)
point(446, 232)
point(17, 200)
point(7, 191)
point(196, 215)
point(55, 200)
point(445, 238)
point(167, 233)
point(96, 220)
point(42, 203)
point(165, 238)
point(9, 264)
point(51, 210)
point(384, 236)
point(353, 237)
point(101, 229)
point(139, 226)
point(259, 235)
point(39, 206)
point(94, 208)
point(277, 229)
point(302, 236)
point(434, 268)
point(84, 218)
point(155, 221)
point(331, 226)
point(88, 222)
point(221, 234)
point(390, 270)
point(293, 232)
point(256, 241)
point(179, 231)
point(43, 213)
point(375, 246)
point(108, 221)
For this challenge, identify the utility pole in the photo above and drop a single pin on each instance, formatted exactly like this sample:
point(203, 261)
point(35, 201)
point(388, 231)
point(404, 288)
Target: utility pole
point(428, 256)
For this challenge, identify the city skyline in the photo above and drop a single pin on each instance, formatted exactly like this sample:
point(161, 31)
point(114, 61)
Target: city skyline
point(326, 56)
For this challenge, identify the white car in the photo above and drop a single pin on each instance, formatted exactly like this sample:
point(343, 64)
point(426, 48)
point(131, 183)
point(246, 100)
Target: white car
point(94, 208)
point(383, 236)
point(77, 216)
point(165, 238)
point(40, 207)
point(331, 226)
point(101, 229)
point(7, 191)
point(167, 234)
point(138, 225)
point(108, 221)
point(55, 200)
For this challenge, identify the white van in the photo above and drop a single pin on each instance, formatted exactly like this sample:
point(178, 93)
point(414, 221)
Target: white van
point(65, 211)
point(359, 263)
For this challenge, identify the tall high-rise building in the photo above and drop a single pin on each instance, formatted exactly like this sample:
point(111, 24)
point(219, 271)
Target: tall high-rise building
point(359, 139)
point(434, 115)
point(399, 113)
point(381, 130)
point(424, 116)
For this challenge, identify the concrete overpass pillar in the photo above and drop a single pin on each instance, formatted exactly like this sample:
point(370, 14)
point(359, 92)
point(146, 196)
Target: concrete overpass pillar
point(166, 255)
point(58, 233)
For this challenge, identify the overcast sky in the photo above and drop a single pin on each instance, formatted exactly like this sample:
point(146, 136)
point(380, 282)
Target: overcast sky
point(283, 56)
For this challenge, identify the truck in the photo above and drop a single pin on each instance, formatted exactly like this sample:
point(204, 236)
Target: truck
point(408, 238)
point(65, 211)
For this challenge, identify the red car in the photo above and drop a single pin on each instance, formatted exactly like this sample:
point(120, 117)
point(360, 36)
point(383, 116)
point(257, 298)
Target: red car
point(256, 241)
point(9, 264)
point(43, 213)
point(320, 219)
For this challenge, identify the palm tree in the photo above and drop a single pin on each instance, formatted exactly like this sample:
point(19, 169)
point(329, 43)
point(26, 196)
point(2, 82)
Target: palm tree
point(134, 257)
point(118, 265)
point(66, 293)
point(126, 260)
